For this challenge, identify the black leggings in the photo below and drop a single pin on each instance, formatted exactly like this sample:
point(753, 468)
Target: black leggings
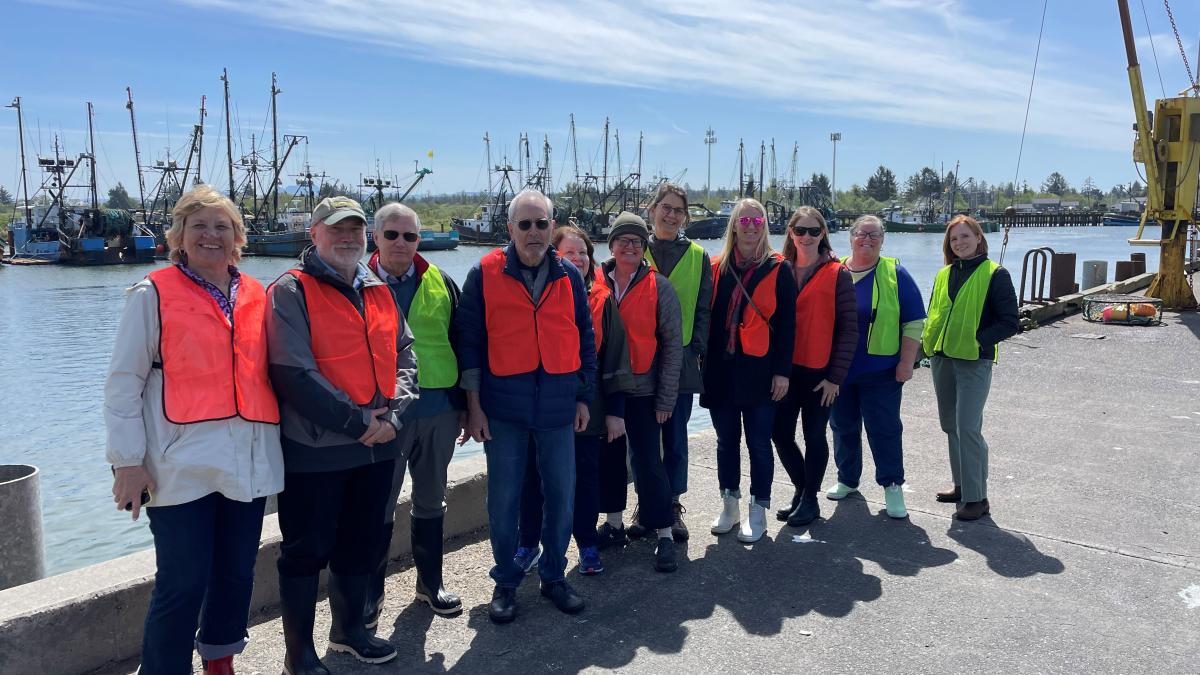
point(803, 404)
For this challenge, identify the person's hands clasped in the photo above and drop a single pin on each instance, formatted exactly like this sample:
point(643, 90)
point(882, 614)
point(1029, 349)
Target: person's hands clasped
point(128, 484)
point(378, 431)
point(829, 392)
point(779, 387)
point(615, 426)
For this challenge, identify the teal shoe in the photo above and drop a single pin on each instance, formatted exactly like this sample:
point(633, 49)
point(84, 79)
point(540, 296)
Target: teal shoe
point(840, 491)
point(893, 497)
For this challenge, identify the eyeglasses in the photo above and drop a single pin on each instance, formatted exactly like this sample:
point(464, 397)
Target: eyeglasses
point(393, 235)
point(542, 224)
point(667, 209)
point(629, 242)
point(752, 220)
point(810, 231)
point(873, 236)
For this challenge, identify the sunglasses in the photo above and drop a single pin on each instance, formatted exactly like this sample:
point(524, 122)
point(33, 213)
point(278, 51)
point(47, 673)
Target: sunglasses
point(810, 231)
point(751, 220)
point(393, 235)
point(542, 224)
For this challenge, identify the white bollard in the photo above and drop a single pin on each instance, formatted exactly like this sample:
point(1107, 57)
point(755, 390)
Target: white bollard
point(1095, 273)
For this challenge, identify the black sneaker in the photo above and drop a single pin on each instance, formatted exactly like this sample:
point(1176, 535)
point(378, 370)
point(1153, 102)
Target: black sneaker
point(503, 608)
point(563, 596)
point(608, 536)
point(664, 556)
point(679, 531)
point(635, 529)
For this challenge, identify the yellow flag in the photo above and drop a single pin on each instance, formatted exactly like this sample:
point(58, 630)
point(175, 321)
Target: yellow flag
point(430, 154)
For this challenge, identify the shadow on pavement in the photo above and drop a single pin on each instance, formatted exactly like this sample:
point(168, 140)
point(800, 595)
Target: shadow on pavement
point(1008, 554)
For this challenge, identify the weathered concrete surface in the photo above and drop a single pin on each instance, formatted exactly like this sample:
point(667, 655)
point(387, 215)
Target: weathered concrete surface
point(87, 618)
point(1089, 563)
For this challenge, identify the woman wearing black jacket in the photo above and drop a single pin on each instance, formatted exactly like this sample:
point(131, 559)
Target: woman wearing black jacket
point(748, 362)
point(973, 307)
point(826, 337)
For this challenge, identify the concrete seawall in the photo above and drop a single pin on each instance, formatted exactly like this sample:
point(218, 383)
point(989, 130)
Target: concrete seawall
point(92, 617)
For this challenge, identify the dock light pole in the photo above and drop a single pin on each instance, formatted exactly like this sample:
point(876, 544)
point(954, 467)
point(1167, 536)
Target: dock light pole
point(834, 137)
point(710, 138)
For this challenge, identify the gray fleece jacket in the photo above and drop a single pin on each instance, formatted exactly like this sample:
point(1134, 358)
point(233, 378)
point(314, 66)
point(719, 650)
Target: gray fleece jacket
point(662, 380)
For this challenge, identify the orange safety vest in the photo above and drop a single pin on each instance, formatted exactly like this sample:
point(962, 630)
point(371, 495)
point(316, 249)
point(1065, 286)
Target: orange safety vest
point(596, 299)
point(212, 370)
point(521, 335)
point(754, 331)
point(815, 314)
point(639, 313)
point(356, 354)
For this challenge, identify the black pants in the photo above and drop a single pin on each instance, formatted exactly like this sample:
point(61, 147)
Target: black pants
point(587, 487)
point(643, 434)
point(804, 405)
point(333, 518)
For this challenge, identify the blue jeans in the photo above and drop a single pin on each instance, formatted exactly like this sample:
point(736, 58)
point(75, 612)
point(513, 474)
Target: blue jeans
point(871, 400)
point(587, 488)
point(507, 456)
point(675, 444)
point(728, 422)
point(205, 552)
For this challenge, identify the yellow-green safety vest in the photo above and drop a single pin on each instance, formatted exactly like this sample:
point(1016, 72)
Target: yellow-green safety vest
point(429, 320)
point(883, 329)
point(685, 278)
point(951, 332)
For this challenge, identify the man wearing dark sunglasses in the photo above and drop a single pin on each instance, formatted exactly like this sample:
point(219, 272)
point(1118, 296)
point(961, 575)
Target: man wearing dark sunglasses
point(528, 359)
point(427, 298)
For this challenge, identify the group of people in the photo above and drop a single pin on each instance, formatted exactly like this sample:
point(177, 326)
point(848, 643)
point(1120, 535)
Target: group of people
point(328, 385)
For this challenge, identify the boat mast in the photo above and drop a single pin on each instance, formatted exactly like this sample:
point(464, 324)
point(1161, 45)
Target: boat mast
point(24, 175)
point(228, 138)
point(199, 137)
point(617, 140)
point(254, 175)
point(762, 165)
point(741, 166)
point(546, 159)
point(137, 157)
point(604, 185)
point(641, 138)
point(274, 151)
point(487, 148)
point(92, 159)
point(574, 149)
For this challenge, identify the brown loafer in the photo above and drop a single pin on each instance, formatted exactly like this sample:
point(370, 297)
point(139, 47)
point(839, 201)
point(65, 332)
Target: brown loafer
point(973, 510)
point(950, 496)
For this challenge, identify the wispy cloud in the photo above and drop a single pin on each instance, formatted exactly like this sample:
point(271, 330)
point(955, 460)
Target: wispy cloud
point(902, 61)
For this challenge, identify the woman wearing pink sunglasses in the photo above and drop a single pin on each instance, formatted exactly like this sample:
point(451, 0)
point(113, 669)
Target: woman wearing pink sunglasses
point(748, 362)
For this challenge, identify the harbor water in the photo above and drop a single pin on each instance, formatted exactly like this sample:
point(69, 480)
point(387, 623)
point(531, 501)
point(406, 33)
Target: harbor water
point(57, 332)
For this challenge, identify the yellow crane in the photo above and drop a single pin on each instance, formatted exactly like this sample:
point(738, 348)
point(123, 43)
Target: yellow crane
point(1168, 145)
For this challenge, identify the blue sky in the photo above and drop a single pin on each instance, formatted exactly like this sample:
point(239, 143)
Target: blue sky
point(907, 83)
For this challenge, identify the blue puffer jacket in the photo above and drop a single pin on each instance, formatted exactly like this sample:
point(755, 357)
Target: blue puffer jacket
point(537, 399)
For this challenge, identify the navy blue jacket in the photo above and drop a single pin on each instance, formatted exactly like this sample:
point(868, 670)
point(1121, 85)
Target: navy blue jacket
point(537, 399)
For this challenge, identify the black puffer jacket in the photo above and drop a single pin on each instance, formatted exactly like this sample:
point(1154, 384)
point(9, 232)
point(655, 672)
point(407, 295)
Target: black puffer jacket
point(999, 320)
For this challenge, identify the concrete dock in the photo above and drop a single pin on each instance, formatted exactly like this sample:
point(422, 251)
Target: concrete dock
point(1090, 561)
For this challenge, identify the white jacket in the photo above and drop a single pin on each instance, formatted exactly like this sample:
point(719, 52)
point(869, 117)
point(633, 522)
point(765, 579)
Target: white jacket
point(241, 460)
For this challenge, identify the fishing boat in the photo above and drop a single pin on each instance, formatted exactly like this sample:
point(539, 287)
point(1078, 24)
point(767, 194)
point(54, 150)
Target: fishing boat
point(705, 223)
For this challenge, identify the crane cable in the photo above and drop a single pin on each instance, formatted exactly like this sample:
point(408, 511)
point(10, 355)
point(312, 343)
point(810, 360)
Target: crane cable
point(1021, 149)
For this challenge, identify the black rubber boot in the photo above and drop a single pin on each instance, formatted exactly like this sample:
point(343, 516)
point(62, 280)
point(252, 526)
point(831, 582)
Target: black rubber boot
point(374, 604)
point(298, 606)
point(427, 549)
point(785, 512)
point(347, 632)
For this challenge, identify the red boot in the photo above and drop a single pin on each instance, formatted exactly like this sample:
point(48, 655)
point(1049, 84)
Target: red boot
point(221, 666)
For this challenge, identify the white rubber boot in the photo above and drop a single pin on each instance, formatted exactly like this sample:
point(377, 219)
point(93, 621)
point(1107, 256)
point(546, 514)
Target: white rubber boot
point(731, 513)
point(755, 524)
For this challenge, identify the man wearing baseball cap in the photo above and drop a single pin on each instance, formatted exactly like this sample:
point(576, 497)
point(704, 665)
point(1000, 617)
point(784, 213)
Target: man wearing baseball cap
point(342, 365)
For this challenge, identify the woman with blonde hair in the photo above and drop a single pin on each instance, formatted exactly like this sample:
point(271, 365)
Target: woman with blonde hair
point(826, 334)
point(961, 346)
point(193, 434)
point(749, 359)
